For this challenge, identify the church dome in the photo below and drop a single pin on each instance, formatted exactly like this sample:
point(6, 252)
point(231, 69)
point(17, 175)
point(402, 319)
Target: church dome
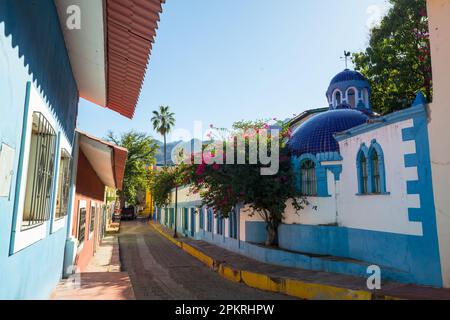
point(347, 75)
point(316, 135)
point(351, 88)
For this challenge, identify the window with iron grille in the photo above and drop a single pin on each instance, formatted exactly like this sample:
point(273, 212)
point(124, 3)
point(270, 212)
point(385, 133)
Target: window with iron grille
point(92, 219)
point(41, 169)
point(364, 174)
point(219, 225)
point(376, 178)
point(210, 220)
point(233, 224)
point(308, 178)
point(81, 225)
point(202, 218)
point(62, 198)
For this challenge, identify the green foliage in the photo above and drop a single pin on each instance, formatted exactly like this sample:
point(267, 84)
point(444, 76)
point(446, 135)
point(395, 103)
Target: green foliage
point(397, 61)
point(222, 186)
point(163, 121)
point(141, 154)
point(163, 181)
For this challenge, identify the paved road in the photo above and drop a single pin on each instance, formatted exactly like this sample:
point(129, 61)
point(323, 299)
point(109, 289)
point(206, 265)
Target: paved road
point(160, 270)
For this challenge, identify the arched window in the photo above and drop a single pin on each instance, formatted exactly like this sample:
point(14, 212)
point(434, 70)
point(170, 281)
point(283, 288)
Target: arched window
point(363, 174)
point(376, 177)
point(351, 97)
point(337, 98)
point(308, 178)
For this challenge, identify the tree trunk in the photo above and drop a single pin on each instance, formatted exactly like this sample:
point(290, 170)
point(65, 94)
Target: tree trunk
point(165, 156)
point(272, 232)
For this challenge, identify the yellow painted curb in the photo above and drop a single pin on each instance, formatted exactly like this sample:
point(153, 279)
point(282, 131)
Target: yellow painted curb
point(230, 273)
point(315, 291)
point(260, 281)
point(291, 287)
point(199, 255)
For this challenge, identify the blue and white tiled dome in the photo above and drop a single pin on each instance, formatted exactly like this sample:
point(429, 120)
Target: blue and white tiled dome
point(316, 134)
point(347, 75)
point(351, 88)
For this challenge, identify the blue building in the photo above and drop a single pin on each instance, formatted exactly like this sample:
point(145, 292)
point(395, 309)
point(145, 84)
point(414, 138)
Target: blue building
point(369, 177)
point(46, 65)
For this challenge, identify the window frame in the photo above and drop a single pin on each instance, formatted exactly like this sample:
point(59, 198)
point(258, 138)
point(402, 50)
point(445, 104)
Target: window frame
point(59, 223)
point(380, 170)
point(23, 238)
point(82, 204)
point(355, 95)
point(335, 102)
point(92, 217)
point(311, 184)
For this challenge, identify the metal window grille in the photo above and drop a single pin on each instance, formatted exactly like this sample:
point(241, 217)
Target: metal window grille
point(92, 219)
point(364, 175)
point(202, 218)
point(40, 172)
point(308, 178)
point(63, 184)
point(81, 225)
point(376, 178)
point(219, 225)
point(233, 224)
point(210, 220)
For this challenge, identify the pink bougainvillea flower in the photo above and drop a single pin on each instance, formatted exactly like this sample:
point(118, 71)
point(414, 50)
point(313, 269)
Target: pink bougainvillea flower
point(200, 170)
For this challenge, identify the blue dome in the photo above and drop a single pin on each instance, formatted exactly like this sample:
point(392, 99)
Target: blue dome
point(347, 75)
point(316, 134)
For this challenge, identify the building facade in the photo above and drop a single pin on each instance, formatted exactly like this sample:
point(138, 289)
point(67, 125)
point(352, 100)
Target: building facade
point(45, 67)
point(369, 181)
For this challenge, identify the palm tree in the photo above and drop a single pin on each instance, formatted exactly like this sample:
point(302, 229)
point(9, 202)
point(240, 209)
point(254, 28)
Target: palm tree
point(163, 121)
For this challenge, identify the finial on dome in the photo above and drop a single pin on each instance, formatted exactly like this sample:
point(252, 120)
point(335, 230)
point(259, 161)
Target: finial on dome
point(346, 56)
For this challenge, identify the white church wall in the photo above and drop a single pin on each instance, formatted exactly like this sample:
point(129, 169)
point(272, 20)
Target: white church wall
point(385, 212)
point(326, 208)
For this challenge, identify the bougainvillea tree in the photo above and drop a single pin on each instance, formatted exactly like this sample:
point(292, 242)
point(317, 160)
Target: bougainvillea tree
point(223, 183)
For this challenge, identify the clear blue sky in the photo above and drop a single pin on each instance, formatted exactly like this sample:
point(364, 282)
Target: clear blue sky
point(219, 61)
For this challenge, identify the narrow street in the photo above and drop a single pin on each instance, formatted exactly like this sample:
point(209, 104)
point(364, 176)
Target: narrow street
point(158, 270)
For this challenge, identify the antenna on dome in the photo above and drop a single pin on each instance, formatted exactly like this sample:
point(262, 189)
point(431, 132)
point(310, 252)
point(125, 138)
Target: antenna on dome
point(346, 56)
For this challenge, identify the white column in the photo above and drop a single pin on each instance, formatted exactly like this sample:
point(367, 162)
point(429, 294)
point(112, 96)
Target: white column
point(439, 129)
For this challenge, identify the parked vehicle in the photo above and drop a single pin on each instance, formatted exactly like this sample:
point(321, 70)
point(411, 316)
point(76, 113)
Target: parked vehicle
point(116, 215)
point(128, 213)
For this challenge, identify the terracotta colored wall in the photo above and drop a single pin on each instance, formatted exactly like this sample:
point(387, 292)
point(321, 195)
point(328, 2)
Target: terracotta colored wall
point(90, 189)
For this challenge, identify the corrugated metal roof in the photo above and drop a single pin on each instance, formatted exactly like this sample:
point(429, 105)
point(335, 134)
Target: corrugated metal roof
point(131, 29)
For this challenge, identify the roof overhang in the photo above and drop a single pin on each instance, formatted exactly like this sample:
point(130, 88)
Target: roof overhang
point(110, 52)
point(107, 159)
point(86, 48)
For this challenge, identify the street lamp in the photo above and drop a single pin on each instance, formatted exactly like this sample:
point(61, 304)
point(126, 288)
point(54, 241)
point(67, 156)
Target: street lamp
point(175, 234)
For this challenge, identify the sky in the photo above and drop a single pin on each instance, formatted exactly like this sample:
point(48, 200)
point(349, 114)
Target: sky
point(221, 61)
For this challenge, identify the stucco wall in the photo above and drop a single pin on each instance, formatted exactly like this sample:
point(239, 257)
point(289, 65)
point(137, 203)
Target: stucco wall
point(388, 213)
point(91, 190)
point(439, 25)
point(31, 50)
point(325, 212)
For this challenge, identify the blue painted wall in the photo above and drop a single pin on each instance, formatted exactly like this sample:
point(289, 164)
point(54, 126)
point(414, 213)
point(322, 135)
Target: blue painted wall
point(418, 256)
point(31, 49)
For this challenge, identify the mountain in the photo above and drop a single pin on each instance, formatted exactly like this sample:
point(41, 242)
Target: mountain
point(186, 145)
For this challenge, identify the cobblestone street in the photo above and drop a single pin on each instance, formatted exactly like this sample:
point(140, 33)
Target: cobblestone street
point(158, 270)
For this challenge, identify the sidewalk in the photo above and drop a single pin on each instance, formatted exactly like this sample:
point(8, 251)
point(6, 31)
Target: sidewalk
point(102, 280)
point(305, 284)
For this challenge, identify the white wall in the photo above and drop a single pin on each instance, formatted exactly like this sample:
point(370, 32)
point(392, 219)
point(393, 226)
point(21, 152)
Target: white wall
point(439, 130)
point(388, 213)
point(326, 208)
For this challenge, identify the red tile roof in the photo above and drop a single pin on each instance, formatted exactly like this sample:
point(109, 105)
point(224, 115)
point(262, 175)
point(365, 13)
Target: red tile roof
point(131, 29)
